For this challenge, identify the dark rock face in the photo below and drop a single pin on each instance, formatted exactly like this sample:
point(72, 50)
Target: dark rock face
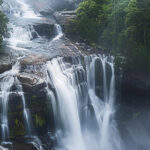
point(20, 146)
point(32, 77)
point(15, 116)
point(136, 83)
point(5, 67)
point(6, 61)
point(46, 30)
point(133, 89)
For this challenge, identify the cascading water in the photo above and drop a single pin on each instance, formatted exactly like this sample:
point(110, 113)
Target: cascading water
point(70, 84)
point(27, 117)
point(21, 39)
point(59, 32)
point(69, 118)
point(26, 112)
point(6, 82)
point(27, 10)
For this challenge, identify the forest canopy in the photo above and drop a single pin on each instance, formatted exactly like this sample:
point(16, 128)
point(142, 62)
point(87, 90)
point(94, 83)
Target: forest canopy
point(3, 25)
point(123, 26)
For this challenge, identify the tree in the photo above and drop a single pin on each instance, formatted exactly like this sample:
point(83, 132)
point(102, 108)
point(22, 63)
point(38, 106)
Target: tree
point(123, 26)
point(3, 25)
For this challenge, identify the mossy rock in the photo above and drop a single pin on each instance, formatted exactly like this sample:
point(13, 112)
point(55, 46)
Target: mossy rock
point(18, 130)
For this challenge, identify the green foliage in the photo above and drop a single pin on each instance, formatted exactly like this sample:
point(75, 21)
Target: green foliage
point(120, 25)
point(3, 25)
point(18, 129)
point(33, 97)
point(39, 121)
point(136, 115)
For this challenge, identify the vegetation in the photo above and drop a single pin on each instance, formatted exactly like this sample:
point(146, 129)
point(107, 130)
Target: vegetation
point(39, 121)
point(122, 26)
point(3, 25)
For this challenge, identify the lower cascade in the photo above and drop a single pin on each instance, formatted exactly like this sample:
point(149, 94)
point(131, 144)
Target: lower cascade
point(83, 112)
point(82, 95)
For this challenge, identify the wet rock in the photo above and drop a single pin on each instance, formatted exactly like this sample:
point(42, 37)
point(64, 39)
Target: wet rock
point(41, 112)
point(63, 17)
point(47, 30)
point(32, 74)
point(20, 146)
point(31, 82)
point(33, 59)
point(5, 67)
point(6, 62)
point(17, 127)
point(135, 83)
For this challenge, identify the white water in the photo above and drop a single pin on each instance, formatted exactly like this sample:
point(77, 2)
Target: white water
point(2, 148)
point(59, 32)
point(20, 39)
point(27, 11)
point(73, 131)
point(26, 111)
point(21, 35)
point(73, 139)
point(6, 82)
point(58, 36)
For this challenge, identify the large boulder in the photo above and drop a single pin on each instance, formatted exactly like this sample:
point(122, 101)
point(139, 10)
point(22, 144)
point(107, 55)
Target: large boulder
point(33, 59)
point(32, 82)
point(32, 74)
point(5, 67)
point(6, 61)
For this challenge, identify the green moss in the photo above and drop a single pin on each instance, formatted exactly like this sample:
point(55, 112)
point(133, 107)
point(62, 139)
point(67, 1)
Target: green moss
point(39, 121)
point(93, 44)
point(33, 97)
point(18, 129)
point(120, 61)
point(136, 115)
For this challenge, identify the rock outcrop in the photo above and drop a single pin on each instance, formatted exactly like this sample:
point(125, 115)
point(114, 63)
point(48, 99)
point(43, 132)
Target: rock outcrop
point(47, 30)
point(63, 17)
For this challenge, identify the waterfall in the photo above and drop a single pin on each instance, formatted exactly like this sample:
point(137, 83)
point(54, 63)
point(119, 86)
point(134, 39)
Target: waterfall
point(19, 36)
point(26, 111)
point(59, 32)
point(27, 10)
point(6, 82)
point(67, 105)
point(83, 120)
point(28, 121)
point(83, 109)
